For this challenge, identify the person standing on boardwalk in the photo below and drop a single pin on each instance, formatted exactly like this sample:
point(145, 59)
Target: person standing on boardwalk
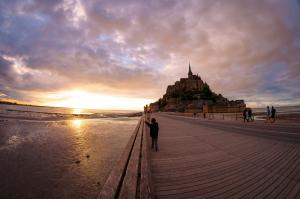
point(153, 132)
point(273, 111)
point(245, 114)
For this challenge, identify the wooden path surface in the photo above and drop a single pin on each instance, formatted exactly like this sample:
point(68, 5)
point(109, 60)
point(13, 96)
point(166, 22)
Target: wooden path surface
point(225, 159)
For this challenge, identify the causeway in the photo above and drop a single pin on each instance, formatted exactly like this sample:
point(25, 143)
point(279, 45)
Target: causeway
point(208, 158)
point(200, 158)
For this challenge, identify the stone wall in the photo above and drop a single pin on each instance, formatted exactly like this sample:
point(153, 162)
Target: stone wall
point(226, 109)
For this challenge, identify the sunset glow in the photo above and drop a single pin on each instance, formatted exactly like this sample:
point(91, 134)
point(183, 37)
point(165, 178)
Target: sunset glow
point(123, 54)
point(80, 99)
point(77, 111)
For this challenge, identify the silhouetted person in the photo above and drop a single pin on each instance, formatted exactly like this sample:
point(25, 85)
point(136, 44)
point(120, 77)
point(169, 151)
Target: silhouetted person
point(268, 114)
point(273, 112)
point(250, 115)
point(153, 132)
point(245, 114)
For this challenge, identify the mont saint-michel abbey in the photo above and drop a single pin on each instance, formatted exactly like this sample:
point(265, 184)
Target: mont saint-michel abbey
point(192, 83)
point(193, 95)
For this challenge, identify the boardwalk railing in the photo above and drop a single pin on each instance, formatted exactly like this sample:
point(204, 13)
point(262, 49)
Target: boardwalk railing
point(131, 176)
point(210, 116)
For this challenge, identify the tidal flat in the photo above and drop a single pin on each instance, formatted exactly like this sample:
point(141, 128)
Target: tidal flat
point(60, 159)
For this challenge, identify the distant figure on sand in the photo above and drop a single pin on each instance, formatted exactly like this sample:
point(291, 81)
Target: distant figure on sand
point(153, 132)
point(268, 114)
point(273, 112)
point(245, 114)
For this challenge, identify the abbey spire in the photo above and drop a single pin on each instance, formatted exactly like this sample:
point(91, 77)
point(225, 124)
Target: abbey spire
point(190, 74)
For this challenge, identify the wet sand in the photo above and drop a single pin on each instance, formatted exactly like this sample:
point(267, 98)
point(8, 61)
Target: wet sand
point(59, 159)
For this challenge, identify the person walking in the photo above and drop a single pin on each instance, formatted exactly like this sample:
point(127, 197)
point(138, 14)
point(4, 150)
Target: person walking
point(273, 112)
point(245, 114)
point(250, 117)
point(153, 132)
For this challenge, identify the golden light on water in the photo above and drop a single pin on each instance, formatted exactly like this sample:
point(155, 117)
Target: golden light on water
point(77, 126)
point(76, 123)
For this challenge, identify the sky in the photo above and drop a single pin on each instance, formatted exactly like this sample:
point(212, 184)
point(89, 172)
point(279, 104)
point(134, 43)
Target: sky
point(122, 54)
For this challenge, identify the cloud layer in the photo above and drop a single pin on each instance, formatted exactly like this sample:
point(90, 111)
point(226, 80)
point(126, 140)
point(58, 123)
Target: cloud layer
point(244, 49)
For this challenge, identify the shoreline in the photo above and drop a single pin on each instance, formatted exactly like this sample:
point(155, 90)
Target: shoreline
point(56, 116)
point(52, 119)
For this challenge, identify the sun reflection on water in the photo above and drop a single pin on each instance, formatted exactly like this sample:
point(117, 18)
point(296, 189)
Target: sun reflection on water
point(76, 123)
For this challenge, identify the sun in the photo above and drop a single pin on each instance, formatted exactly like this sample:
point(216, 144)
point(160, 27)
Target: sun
point(77, 110)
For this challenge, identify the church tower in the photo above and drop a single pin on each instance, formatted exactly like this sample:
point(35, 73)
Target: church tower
point(190, 74)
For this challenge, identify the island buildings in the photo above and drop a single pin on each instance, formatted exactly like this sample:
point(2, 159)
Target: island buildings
point(193, 95)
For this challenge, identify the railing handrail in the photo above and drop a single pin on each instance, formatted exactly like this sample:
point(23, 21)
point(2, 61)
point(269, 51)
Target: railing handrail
point(131, 176)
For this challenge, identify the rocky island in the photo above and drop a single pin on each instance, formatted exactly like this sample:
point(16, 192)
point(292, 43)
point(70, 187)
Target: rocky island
point(193, 95)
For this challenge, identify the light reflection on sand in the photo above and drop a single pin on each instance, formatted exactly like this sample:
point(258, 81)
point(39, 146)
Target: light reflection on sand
point(13, 140)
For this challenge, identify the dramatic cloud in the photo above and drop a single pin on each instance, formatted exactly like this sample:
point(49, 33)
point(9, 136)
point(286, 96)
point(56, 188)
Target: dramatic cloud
point(244, 49)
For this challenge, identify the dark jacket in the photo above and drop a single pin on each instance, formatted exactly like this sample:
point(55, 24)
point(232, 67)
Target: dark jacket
point(153, 129)
point(273, 111)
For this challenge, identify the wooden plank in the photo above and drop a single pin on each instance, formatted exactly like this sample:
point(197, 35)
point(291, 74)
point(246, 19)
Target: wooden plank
point(204, 183)
point(287, 190)
point(189, 174)
point(251, 188)
point(295, 192)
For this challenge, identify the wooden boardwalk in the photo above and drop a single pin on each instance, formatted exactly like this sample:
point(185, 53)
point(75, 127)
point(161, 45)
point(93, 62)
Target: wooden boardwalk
point(217, 159)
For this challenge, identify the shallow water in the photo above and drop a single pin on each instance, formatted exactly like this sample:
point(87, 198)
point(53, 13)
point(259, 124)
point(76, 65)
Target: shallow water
point(59, 113)
point(59, 159)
